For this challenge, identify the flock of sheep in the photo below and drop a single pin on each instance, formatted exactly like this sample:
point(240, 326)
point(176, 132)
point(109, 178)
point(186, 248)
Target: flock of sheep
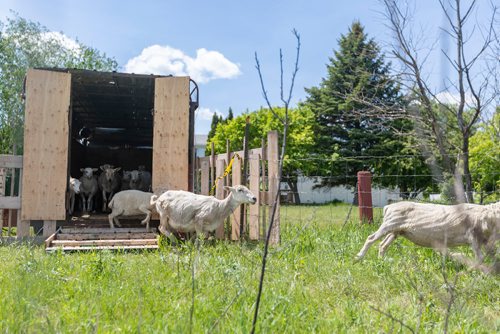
point(428, 225)
point(129, 195)
point(109, 182)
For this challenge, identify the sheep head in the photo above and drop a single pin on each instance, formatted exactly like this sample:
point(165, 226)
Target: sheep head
point(75, 185)
point(135, 177)
point(109, 173)
point(241, 194)
point(88, 172)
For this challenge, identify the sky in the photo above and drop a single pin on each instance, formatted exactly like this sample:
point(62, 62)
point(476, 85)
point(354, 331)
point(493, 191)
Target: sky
point(215, 41)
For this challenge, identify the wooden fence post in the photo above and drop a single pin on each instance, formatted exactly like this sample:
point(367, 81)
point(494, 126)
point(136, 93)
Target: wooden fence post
point(273, 162)
point(219, 193)
point(365, 196)
point(255, 189)
point(205, 177)
point(236, 215)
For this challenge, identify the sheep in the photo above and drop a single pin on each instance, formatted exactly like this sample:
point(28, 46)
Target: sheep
point(439, 227)
point(140, 180)
point(187, 212)
point(109, 183)
point(74, 188)
point(146, 177)
point(88, 187)
point(126, 180)
point(131, 203)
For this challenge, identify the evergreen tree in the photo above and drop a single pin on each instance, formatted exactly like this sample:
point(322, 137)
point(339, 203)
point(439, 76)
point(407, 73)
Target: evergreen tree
point(230, 115)
point(216, 119)
point(348, 131)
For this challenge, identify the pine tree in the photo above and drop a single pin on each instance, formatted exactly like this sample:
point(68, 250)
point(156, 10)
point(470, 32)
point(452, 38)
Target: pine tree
point(358, 79)
point(216, 119)
point(230, 115)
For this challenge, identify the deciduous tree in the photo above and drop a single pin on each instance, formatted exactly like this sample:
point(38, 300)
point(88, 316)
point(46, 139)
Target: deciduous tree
point(25, 44)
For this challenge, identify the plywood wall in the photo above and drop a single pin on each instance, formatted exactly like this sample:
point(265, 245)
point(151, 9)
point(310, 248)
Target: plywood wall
point(46, 145)
point(171, 134)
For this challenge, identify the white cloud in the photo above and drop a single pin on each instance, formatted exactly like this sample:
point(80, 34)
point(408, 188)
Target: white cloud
point(208, 65)
point(206, 114)
point(61, 39)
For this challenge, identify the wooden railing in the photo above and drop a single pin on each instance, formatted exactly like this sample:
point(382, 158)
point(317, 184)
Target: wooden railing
point(11, 169)
point(262, 180)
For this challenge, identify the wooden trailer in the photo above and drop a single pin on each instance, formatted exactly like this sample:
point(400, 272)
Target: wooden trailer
point(80, 118)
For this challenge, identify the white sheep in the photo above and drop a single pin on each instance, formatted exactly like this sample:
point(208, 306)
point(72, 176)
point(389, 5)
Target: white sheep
point(131, 203)
point(109, 183)
point(184, 211)
point(74, 189)
point(439, 227)
point(88, 188)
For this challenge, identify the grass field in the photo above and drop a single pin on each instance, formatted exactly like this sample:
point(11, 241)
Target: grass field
point(312, 285)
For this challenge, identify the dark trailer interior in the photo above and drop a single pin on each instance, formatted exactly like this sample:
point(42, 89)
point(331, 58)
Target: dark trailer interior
point(112, 121)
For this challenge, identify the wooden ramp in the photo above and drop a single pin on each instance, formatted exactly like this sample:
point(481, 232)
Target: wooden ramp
point(88, 239)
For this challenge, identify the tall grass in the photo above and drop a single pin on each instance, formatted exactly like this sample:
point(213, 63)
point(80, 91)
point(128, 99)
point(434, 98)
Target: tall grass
point(312, 285)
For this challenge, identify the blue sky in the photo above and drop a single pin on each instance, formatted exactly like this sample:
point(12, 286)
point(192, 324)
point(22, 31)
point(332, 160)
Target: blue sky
point(214, 41)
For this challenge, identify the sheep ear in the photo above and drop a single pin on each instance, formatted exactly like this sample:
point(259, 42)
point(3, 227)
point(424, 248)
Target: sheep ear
point(95, 169)
point(117, 169)
point(228, 188)
point(82, 169)
point(102, 167)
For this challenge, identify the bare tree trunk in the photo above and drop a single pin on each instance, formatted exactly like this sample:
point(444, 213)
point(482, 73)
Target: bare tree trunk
point(471, 82)
point(469, 194)
point(292, 183)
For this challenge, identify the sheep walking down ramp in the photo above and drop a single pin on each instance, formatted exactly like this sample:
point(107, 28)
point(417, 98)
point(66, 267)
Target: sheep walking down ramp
point(183, 211)
point(440, 227)
point(131, 203)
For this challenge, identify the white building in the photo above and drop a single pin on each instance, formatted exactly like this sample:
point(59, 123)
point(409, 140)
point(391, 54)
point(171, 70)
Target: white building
point(309, 195)
point(200, 143)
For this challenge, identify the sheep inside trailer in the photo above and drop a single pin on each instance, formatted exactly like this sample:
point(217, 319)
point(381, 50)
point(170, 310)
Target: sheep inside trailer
point(78, 118)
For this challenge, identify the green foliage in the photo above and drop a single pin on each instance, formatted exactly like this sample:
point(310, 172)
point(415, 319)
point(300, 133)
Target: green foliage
point(216, 120)
point(25, 44)
point(358, 82)
point(485, 159)
point(312, 285)
point(299, 143)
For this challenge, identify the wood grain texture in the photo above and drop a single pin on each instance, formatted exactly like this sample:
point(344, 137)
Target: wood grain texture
point(220, 166)
point(235, 216)
point(46, 140)
point(273, 165)
point(254, 186)
point(171, 134)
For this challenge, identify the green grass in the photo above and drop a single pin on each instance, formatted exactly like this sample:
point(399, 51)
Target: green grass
point(312, 285)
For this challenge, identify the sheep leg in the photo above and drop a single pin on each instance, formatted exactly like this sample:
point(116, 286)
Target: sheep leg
point(370, 240)
point(113, 216)
point(71, 204)
point(476, 248)
point(145, 209)
point(104, 201)
point(82, 196)
point(90, 205)
point(163, 226)
point(385, 244)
